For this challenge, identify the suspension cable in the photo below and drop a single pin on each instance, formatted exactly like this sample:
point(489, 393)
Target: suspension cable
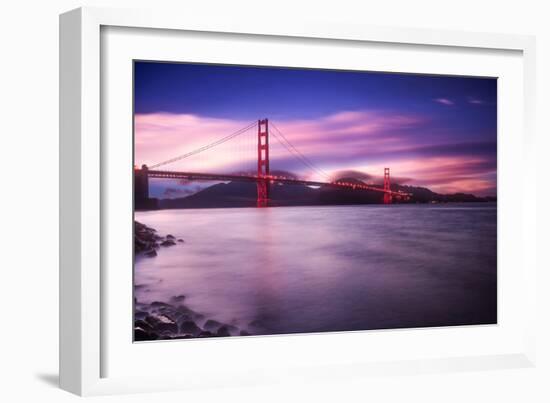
point(206, 147)
point(297, 154)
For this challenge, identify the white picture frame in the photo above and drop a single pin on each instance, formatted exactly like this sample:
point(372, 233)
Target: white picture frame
point(84, 292)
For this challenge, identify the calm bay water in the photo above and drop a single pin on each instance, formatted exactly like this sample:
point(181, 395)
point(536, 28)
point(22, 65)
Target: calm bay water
point(330, 268)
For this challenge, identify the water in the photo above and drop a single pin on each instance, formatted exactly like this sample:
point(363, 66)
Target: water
point(335, 268)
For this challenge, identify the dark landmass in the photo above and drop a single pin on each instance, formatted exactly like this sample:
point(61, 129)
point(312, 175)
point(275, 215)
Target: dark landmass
point(173, 319)
point(243, 194)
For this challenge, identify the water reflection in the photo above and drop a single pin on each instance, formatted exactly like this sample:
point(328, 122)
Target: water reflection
point(309, 269)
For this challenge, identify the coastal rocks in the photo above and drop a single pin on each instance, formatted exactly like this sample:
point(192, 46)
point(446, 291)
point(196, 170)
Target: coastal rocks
point(167, 242)
point(147, 241)
point(177, 298)
point(144, 237)
point(212, 325)
point(162, 323)
point(190, 327)
point(140, 315)
point(223, 332)
point(159, 320)
point(142, 335)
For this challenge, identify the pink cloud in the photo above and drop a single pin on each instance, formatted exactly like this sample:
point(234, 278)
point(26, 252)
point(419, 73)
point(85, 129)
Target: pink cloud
point(161, 136)
point(444, 101)
point(349, 140)
point(445, 174)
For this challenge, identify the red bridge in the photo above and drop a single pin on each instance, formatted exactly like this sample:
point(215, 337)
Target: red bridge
point(262, 178)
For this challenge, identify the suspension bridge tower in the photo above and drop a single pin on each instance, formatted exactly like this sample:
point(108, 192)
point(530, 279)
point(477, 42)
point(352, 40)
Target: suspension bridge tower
point(387, 190)
point(263, 163)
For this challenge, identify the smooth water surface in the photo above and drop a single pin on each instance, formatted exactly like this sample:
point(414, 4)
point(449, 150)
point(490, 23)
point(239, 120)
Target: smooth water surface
point(330, 268)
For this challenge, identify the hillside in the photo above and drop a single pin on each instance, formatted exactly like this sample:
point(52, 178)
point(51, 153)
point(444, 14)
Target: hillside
point(243, 194)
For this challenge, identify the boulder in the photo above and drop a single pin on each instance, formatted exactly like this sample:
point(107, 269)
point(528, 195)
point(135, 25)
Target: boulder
point(151, 253)
point(144, 237)
point(143, 325)
point(190, 327)
point(140, 314)
point(170, 236)
point(178, 298)
point(223, 331)
point(212, 325)
point(167, 242)
point(181, 240)
point(161, 323)
point(244, 333)
point(159, 304)
point(142, 335)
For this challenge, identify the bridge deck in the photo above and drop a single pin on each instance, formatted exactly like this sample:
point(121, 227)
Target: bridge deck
point(272, 178)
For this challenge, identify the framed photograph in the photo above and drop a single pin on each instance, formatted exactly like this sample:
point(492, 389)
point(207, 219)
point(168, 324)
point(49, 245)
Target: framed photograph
point(313, 201)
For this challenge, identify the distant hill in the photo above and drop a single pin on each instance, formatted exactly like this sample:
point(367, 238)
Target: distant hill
point(243, 194)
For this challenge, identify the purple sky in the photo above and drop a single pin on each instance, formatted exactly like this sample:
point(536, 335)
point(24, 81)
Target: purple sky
point(433, 131)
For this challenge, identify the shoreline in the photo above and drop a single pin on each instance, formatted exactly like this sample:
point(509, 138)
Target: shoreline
point(172, 319)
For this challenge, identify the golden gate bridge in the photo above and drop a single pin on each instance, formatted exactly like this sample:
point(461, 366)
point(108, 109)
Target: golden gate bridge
point(263, 177)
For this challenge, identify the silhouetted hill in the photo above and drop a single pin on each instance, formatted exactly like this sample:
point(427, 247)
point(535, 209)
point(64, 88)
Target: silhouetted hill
point(243, 194)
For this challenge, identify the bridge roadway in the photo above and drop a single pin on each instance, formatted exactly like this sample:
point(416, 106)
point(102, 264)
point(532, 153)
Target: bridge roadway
point(271, 178)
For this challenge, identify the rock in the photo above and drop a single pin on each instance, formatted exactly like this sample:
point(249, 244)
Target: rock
point(181, 240)
point(142, 335)
point(190, 327)
point(212, 325)
point(244, 333)
point(144, 238)
point(169, 236)
point(182, 309)
point(167, 242)
point(143, 325)
point(182, 317)
point(223, 331)
point(151, 253)
point(161, 323)
point(178, 298)
point(166, 335)
point(159, 304)
point(140, 315)
point(206, 333)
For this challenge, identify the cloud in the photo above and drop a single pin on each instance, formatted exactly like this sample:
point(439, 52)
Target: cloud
point(444, 101)
point(327, 140)
point(361, 143)
point(475, 101)
point(447, 174)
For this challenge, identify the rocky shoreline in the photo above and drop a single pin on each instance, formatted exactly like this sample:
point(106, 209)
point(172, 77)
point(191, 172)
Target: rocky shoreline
point(173, 319)
point(147, 241)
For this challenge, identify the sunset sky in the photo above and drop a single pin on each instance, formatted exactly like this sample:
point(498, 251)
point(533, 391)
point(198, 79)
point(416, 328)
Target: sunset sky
point(434, 131)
